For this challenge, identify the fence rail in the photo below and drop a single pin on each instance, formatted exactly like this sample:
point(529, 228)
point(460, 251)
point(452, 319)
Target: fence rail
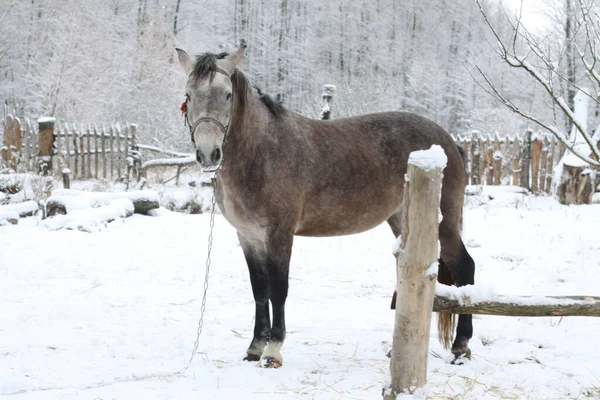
point(111, 152)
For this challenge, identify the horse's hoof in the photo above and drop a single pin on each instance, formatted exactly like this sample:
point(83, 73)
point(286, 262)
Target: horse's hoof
point(460, 357)
point(270, 362)
point(252, 357)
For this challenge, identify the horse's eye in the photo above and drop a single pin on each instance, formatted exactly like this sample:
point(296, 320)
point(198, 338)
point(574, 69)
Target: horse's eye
point(228, 96)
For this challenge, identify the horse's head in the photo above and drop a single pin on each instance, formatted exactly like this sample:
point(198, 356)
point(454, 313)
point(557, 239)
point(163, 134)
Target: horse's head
point(208, 103)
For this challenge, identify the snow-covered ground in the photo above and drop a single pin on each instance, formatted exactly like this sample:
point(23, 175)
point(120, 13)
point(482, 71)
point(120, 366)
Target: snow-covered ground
point(113, 314)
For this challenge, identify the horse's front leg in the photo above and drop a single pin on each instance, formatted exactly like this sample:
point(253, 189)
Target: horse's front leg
point(255, 254)
point(279, 251)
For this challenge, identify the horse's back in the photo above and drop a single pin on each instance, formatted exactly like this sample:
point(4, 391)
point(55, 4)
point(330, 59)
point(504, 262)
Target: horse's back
point(355, 174)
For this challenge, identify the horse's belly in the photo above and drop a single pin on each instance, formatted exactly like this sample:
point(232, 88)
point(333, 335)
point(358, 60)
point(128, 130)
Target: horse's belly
point(346, 218)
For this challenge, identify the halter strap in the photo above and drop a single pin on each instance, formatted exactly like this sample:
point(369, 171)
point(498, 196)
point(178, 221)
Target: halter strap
point(208, 119)
point(222, 127)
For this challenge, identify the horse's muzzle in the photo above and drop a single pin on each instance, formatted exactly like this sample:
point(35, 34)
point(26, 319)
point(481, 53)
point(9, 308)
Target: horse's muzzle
point(211, 163)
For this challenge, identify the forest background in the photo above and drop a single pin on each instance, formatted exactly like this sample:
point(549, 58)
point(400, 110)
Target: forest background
point(86, 61)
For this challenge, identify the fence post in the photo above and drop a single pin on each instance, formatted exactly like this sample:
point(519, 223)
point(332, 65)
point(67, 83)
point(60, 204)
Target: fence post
point(45, 144)
point(7, 148)
point(66, 178)
point(416, 270)
point(475, 155)
point(328, 91)
point(526, 159)
point(550, 167)
point(536, 151)
point(497, 159)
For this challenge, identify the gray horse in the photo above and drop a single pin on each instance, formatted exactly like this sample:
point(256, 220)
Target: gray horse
point(281, 174)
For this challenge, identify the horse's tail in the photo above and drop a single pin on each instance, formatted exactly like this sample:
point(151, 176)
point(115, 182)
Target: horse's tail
point(446, 321)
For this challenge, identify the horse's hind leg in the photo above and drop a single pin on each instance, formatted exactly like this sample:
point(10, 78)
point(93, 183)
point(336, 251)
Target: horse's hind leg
point(458, 268)
point(254, 253)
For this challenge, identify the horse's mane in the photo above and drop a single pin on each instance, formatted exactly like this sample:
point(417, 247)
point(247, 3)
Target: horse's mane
point(206, 67)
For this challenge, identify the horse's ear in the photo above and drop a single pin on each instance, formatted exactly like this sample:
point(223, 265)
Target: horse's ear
point(185, 60)
point(234, 59)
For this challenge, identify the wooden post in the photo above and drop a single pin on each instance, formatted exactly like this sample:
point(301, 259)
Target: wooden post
point(68, 160)
point(475, 155)
point(506, 164)
point(7, 150)
point(103, 148)
point(526, 159)
point(17, 143)
point(66, 178)
point(95, 151)
point(88, 152)
point(328, 91)
point(550, 167)
point(417, 270)
point(497, 158)
point(516, 170)
point(27, 146)
point(543, 163)
point(76, 166)
point(118, 149)
point(536, 152)
point(135, 152)
point(45, 143)
point(112, 151)
point(489, 161)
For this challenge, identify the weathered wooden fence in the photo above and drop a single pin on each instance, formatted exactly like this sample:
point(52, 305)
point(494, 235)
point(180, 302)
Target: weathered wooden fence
point(525, 160)
point(108, 152)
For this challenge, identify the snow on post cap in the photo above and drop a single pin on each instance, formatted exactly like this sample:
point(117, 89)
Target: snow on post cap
point(430, 159)
point(46, 120)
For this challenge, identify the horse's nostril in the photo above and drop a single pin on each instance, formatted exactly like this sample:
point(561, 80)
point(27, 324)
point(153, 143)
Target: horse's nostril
point(216, 156)
point(199, 156)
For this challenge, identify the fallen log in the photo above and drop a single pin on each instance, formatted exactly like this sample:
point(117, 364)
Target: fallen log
point(91, 219)
point(11, 213)
point(519, 306)
point(64, 201)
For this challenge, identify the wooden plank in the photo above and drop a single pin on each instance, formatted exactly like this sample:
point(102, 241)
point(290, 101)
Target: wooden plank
point(88, 134)
point(96, 160)
point(67, 140)
point(489, 157)
point(27, 145)
point(497, 158)
point(103, 150)
point(526, 160)
point(475, 156)
point(112, 151)
point(7, 153)
point(17, 143)
point(543, 163)
point(516, 162)
point(550, 164)
point(75, 137)
point(118, 150)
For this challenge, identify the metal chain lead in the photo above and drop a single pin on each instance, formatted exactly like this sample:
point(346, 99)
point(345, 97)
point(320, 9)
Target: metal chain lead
point(208, 262)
